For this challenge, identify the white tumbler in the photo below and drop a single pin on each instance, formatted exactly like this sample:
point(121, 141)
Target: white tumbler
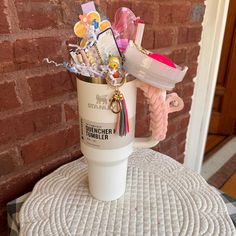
point(106, 152)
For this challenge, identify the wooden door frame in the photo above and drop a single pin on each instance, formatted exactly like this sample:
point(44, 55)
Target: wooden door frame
point(205, 81)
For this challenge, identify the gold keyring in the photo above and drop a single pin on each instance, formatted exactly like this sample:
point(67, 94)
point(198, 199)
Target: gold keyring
point(118, 85)
point(112, 106)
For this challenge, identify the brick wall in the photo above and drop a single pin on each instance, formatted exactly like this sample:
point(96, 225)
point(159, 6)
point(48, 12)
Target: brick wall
point(38, 107)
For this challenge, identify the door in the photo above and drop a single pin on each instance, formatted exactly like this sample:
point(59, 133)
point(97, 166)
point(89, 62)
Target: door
point(224, 107)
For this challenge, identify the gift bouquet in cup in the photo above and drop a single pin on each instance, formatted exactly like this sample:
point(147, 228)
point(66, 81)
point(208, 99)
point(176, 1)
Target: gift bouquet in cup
point(110, 64)
point(110, 52)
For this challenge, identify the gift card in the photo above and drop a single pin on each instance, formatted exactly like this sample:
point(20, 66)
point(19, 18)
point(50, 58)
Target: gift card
point(94, 55)
point(106, 44)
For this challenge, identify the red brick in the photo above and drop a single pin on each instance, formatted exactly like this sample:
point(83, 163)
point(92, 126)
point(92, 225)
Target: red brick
point(179, 56)
point(167, 144)
point(197, 12)
point(50, 85)
point(180, 158)
point(71, 110)
point(72, 39)
point(6, 51)
point(37, 14)
point(193, 53)
point(180, 137)
point(148, 39)
point(50, 144)
point(171, 129)
point(181, 147)
point(3, 220)
point(142, 115)
point(31, 52)
point(70, 10)
point(188, 90)
point(21, 182)
point(189, 34)
point(21, 125)
point(179, 89)
point(191, 73)
point(141, 98)
point(146, 12)
point(142, 111)
point(181, 12)
point(174, 13)
point(156, 148)
point(6, 56)
point(114, 5)
point(165, 15)
point(142, 128)
point(171, 152)
point(8, 98)
point(53, 163)
point(183, 122)
point(164, 37)
point(4, 25)
point(9, 161)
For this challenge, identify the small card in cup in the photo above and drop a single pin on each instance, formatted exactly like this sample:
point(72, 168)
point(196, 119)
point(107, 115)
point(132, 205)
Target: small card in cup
point(106, 44)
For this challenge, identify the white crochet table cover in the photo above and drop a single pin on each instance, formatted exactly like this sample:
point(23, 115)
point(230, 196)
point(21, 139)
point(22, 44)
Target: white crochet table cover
point(162, 198)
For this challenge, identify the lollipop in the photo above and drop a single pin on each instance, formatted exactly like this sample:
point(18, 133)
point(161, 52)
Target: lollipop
point(89, 25)
point(124, 27)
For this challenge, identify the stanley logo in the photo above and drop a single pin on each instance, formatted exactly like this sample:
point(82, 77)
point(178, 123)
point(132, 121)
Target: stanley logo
point(102, 103)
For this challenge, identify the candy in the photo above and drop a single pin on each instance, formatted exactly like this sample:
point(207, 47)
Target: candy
point(114, 62)
point(80, 30)
point(83, 42)
point(94, 15)
point(85, 19)
point(89, 26)
point(125, 25)
point(104, 25)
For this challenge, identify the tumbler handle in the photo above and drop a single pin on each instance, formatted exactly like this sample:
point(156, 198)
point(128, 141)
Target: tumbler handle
point(160, 106)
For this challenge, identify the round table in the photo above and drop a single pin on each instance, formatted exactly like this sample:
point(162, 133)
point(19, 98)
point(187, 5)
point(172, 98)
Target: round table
point(162, 198)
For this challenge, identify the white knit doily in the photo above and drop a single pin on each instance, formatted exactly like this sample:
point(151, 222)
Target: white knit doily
point(162, 198)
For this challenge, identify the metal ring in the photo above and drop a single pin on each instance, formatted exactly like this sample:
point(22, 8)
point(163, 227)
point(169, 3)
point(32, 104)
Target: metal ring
point(118, 85)
point(112, 106)
point(97, 80)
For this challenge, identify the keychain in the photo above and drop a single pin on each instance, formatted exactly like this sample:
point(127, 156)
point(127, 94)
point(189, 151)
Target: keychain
point(118, 106)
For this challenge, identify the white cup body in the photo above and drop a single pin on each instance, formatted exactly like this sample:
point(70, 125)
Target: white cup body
point(106, 152)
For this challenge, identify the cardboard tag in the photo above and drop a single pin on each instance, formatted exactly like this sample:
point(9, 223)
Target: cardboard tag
point(106, 44)
point(87, 7)
point(95, 54)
